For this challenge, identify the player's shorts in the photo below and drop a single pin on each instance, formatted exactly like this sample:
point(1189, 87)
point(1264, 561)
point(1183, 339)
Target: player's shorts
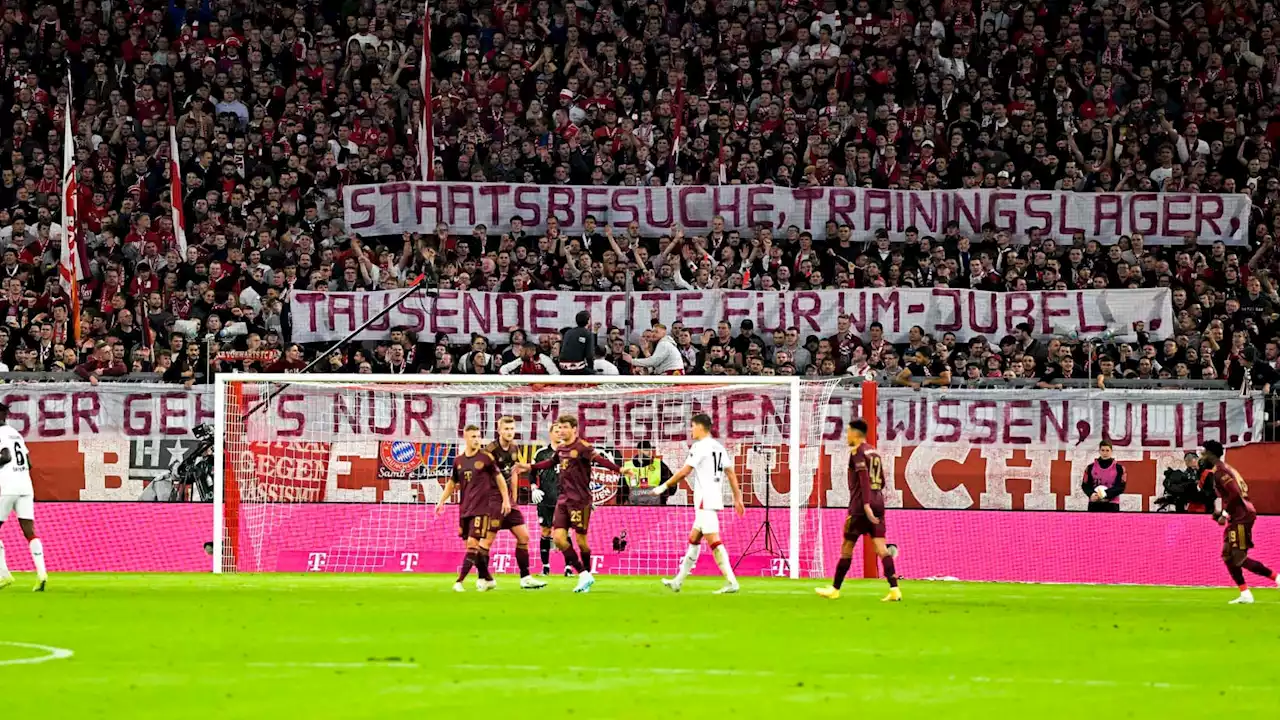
point(707, 522)
point(546, 514)
point(23, 505)
point(857, 525)
point(513, 519)
point(1237, 540)
point(566, 517)
point(478, 526)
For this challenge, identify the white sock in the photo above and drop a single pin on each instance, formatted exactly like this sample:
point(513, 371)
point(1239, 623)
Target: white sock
point(37, 557)
point(689, 561)
point(722, 560)
point(4, 569)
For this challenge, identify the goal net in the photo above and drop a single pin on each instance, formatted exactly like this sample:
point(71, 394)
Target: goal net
point(342, 473)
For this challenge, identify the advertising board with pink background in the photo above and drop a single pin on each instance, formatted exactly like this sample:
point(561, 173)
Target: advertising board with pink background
point(1053, 547)
point(981, 485)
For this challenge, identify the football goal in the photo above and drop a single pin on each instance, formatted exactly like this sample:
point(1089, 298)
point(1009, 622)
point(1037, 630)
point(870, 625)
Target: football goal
point(341, 473)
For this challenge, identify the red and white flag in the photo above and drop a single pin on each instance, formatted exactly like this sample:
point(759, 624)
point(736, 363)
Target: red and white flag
point(70, 264)
point(426, 138)
point(175, 187)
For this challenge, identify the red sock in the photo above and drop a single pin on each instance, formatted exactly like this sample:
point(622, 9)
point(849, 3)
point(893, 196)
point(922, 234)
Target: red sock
point(522, 560)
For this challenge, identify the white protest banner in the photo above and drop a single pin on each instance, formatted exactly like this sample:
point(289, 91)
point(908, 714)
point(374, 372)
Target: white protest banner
point(1163, 218)
point(1058, 420)
point(330, 316)
point(67, 411)
point(953, 449)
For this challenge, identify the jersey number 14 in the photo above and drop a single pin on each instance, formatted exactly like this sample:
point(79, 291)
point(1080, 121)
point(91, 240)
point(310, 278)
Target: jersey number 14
point(718, 462)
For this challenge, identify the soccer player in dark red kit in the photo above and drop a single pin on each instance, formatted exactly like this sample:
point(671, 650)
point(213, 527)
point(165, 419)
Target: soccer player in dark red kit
point(504, 451)
point(483, 504)
point(866, 513)
point(575, 457)
point(1233, 510)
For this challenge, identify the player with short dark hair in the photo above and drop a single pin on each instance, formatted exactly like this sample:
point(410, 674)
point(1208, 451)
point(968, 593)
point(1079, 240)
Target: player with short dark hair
point(866, 513)
point(504, 451)
point(707, 468)
point(575, 457)
point(483, 504)
point(1233, 510)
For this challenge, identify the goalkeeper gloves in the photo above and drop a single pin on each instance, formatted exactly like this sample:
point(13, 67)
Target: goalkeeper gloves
point(536, 494)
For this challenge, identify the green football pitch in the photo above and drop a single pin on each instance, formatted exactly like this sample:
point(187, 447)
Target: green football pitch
point(347, 646)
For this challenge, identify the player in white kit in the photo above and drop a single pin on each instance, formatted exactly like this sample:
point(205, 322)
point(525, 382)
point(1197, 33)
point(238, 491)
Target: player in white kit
point(17, 496)
point(708, 466)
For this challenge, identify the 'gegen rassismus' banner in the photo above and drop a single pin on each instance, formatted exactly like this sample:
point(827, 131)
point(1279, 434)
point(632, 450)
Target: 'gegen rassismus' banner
point(331, 316)
point(394, 208)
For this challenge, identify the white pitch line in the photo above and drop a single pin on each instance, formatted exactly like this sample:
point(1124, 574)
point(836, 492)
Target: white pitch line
point(873, 677)
point(50, 653)
point(714, 672)
point(336, 665)
point(932, 591)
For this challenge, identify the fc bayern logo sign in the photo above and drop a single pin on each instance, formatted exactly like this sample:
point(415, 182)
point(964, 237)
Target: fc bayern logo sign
point(604, 483)
point(400, 456)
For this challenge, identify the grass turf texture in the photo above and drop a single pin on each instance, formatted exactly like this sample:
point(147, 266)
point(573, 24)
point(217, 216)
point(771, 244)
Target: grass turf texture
point(349, 646)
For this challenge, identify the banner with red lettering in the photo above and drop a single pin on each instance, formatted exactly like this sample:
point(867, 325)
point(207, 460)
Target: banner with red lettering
point(758, 415)
point(1163, 218)
point(956, 449)
point(331, 316)
point(62, 411)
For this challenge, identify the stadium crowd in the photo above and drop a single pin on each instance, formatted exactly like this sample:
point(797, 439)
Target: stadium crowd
point(279, 104)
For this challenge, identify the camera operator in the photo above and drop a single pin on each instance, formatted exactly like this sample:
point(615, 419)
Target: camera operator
point(1184, 489)
point(191, 477)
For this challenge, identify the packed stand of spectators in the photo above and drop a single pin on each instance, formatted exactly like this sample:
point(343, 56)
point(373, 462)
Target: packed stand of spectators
point(279, 104)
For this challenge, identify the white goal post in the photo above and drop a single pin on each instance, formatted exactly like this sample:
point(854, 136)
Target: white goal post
point(340, 473)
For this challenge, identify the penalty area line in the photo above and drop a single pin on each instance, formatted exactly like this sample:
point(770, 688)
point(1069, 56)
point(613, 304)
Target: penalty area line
point(50, 653)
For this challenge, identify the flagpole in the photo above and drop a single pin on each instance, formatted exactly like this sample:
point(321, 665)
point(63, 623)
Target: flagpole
point(427, 141)
point(677, 124)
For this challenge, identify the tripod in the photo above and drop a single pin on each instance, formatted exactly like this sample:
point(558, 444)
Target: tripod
point(765, 536)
